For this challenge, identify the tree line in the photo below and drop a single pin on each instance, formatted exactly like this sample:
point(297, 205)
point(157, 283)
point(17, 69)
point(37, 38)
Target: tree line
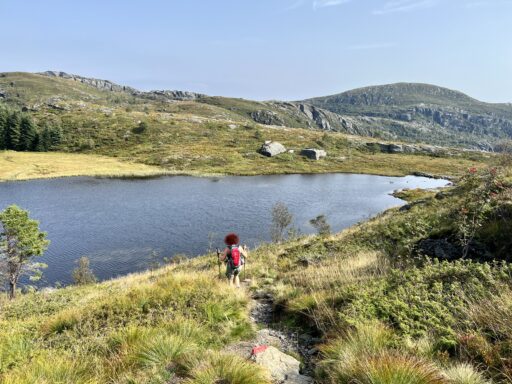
point(18, 132)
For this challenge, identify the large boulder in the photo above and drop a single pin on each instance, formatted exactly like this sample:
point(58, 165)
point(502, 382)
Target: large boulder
point(282, 367)
point(272, 148)
point(313, 154)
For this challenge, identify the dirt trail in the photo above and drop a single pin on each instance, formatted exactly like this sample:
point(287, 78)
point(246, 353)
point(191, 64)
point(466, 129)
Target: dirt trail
point(287, 341)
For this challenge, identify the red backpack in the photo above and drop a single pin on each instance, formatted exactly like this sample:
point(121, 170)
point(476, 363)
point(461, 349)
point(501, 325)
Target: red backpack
point(234, 256)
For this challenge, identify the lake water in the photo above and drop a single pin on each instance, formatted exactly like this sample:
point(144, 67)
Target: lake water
point(123, 225)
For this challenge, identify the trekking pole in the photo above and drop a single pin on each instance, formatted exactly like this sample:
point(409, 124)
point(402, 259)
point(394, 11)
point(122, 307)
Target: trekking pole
point(245, 260)
point(218, 260)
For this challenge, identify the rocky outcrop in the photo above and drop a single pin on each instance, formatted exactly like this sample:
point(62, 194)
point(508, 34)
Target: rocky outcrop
point(171, 95)
point(272, 148)
point(104, 85)
point(266, 117)
point(313, 154)
point(440, 249)
point(406, 148)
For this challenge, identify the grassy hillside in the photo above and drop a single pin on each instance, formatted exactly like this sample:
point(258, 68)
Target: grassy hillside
point(383, 311)
point(426, 113)
point(400, 95)
point(207, 135)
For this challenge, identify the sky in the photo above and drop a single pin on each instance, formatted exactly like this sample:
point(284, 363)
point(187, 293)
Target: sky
point(266, 49)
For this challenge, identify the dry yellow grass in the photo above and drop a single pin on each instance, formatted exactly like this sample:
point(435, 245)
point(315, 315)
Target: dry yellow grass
point(34, 165)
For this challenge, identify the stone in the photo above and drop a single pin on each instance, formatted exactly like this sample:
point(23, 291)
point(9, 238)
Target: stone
point(283, 368)
point(313, 154)
point(440, 248)
point(272, 149)
point(266, 117)
point(395, 148)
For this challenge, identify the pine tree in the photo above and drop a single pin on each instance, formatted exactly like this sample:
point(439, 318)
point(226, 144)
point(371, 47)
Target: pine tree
point(3, 127)
point(55, 136)
point(44, 140)
point(27, 134)
point(12, 131)
point(20, 242)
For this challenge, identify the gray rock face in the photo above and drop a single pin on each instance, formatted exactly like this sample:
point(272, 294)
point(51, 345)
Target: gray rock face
point(313, 154)
point(406, 148)
point(106, 85)
point(96, 83)
point(272, 148)
point(266, 117)
point(283, 368)
point(171, 95)
point(440, 248)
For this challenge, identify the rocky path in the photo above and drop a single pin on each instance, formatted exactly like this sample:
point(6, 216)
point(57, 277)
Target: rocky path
point(274, 348)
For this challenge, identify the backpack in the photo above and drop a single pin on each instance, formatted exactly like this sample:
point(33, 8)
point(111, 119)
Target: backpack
point(234, 256)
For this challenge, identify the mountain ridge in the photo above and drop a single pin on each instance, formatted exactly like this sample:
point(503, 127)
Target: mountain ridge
point(410, 112)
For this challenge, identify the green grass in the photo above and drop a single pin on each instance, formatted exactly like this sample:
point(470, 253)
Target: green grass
point(385, 313)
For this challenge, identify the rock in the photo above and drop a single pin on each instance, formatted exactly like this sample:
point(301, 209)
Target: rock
point(424, 174)
point(313, 154)
point(405, 208)
point(395, 148)
point(266, 117)
point(440, 248)
point(405, 117)
point(272, 149)
point(441, 195)
point(283, 368)
point(232, 126)
point(312, 351)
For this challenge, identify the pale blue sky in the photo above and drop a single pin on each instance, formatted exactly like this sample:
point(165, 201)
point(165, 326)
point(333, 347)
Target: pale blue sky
point(266, 49)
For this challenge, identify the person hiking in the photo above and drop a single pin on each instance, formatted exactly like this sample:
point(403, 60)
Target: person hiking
point(234, 256)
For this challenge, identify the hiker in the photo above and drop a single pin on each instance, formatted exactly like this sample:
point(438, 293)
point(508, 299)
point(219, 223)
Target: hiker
point(234, 256)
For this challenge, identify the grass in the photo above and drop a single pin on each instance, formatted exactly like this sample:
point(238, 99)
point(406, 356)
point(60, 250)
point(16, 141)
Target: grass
point(386, 314)
point(143, 328)
point(34, 165)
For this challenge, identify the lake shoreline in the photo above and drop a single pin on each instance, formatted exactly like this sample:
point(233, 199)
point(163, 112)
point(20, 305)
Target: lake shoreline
point(125, 225)
point(86, 165)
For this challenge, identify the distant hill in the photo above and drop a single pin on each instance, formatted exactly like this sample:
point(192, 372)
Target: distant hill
point(424, 112)
point(395, 112)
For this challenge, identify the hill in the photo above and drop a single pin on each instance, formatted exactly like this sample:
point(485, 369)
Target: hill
point(183, 132)
point(426, 113)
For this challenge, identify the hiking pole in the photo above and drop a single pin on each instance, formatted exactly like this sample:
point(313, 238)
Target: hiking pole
point(218, 260)
point(245, 260)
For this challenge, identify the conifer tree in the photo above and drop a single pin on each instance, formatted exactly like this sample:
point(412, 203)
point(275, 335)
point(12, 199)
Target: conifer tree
point(12, 131)
point(3, 127)
point(20, 242)
point(27, 134)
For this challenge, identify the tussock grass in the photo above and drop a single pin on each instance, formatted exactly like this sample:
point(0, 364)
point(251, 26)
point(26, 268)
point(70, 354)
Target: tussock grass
point(464, 373)
point(228, 369)
point(143, 328)
point(368, 355)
